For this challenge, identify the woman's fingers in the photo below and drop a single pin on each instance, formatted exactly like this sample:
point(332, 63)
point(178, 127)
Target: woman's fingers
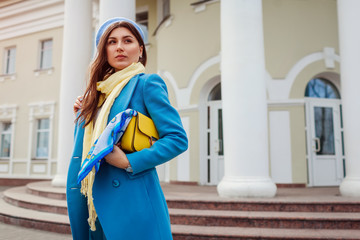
point(78, 104)
point(117, 158)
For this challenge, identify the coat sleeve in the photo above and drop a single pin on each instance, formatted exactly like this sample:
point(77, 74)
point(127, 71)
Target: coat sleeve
point(173, 140)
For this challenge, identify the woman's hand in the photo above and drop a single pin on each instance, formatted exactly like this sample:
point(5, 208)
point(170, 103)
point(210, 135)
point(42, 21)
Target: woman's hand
point(117, 158)
point(78, 104)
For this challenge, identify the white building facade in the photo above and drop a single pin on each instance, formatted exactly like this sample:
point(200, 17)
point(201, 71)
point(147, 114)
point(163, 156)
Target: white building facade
point(260, 87)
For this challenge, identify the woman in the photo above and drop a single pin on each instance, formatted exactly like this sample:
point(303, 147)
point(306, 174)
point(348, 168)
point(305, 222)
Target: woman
point(126, 191)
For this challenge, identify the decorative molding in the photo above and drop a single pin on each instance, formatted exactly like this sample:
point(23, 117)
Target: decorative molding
point(40, 110)
point(189, 108)
point(30, 16)
point(329, 57)
point(4, 167)
point(200, 6)
point(281, 166)
point(280, 88)
point(8, 112)
point(202, 68)
point(286, 103)
point(182, 95)
point(5, 77)
point(39, 168)
point(38, 72)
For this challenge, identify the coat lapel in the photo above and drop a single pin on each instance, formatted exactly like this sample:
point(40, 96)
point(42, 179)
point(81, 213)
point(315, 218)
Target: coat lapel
point(121, 103)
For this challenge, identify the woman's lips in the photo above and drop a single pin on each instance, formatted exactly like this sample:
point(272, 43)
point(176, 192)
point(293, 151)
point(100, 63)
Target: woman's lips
point(120, 57)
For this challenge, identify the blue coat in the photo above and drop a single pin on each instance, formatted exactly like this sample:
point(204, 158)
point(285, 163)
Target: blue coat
point(130, 205)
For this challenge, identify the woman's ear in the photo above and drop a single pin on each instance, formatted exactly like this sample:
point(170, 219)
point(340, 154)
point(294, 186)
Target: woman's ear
point(141, 51)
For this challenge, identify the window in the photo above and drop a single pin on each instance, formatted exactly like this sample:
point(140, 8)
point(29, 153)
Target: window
point(9, 66)
point(42, 138)
point(163, 14)
point(46, 54)
point(143, 20)
point(215, 93)
point(5, 139)
point(165, 8)
point(321, 88)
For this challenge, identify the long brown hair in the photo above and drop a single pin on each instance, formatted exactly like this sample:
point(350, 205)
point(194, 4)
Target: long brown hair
point(100, 69)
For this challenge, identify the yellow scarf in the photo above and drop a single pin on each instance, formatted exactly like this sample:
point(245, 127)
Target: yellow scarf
point(110, 89)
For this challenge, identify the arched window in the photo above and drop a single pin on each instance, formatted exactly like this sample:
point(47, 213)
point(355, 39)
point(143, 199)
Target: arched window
point(215, 93)
point(321, 88)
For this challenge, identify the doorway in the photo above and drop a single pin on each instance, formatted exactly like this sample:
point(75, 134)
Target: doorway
point(214, 138)
point(324, 131)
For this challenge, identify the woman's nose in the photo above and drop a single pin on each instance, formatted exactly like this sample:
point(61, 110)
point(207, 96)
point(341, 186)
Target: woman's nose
point(119, 46)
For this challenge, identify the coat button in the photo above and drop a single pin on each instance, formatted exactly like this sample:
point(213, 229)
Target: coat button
point(115, 183)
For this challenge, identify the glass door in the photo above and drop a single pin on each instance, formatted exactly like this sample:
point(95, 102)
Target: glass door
point(215, 144)
point(325, 142)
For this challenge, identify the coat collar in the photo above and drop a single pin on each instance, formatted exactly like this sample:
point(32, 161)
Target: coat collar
point(121, 103)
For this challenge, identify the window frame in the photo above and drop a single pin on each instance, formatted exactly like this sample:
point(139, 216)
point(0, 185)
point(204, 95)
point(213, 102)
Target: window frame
point(143, 22)
point(42, 65)
point(7, 60)
point(3, 133)
point(8, 114)
point(37, 132)
point(38, 111)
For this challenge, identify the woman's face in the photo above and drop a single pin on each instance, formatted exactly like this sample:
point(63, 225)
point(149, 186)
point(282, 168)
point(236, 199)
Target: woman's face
point(122, 48)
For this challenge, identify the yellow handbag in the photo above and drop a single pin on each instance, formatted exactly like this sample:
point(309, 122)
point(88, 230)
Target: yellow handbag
point(140, 133)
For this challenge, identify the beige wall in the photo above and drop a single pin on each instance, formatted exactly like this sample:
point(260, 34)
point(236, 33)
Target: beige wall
point(151, 65)
point(189, 40)
point(295, 29)
point(28, 87)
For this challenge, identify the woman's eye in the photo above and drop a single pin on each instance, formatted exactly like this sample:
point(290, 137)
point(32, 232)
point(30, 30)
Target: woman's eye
point(111, 42)
point(128, 40)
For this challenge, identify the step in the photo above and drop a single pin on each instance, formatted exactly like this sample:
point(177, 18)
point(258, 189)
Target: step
point(334, 220)
point(257, 219)
point(319, 199)
point(45, 189)
point(185, 232)
point(18, 196)
point(52, 222)
point(18, 215)
point(264, 205)
point(206, 198)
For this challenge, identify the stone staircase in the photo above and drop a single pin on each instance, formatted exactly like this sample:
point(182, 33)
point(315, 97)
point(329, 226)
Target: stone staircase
point(198, 213)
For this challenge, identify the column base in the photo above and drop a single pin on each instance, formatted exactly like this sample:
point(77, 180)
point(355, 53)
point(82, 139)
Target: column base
point(59, 181)
point(246, 187)
point(350, 187)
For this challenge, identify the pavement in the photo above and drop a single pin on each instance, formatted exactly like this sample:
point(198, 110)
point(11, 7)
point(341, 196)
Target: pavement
point(13, 232)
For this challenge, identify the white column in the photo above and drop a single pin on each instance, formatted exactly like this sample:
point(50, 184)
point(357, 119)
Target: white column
point(75, 60)
point(244, 101)
point(349, 39)
point(117, 8)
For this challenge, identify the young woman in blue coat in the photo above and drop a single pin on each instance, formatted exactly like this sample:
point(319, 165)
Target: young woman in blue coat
point(126, 192)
